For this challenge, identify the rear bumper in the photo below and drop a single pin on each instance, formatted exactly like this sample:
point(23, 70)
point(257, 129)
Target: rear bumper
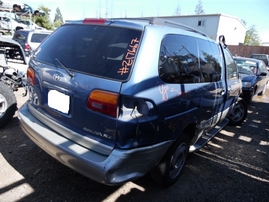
point(116, 168)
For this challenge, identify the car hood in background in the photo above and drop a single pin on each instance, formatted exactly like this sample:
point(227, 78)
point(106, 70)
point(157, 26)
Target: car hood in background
point(246, 77)
point(10, 43)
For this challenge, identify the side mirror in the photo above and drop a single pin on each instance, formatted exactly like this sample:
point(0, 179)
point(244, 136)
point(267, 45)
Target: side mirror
point(263, 74)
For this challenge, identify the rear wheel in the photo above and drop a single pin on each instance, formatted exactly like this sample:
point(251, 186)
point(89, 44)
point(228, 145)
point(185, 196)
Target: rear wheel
point(170, 167)
point(8, 104)
point(239, 113)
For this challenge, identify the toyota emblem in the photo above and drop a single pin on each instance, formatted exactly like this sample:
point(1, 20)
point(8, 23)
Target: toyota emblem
point(56, 77)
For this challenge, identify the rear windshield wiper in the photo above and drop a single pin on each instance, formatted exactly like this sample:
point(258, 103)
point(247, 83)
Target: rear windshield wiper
point(66, 69)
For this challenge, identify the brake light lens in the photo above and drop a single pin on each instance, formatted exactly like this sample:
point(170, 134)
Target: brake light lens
point(31, 76)
point(103, 102)
point(27, 47)
point(94, 21)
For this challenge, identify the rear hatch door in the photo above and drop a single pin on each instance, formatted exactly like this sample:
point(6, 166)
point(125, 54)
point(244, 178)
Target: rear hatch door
point(79, 71)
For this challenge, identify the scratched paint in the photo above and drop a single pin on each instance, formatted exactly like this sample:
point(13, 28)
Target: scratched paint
point(129, 57)
point(164, 89)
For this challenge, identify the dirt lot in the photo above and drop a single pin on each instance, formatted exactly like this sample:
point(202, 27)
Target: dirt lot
point(234, 166)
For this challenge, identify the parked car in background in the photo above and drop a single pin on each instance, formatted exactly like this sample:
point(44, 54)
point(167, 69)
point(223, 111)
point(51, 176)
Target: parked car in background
point(9, 4)
point(30, 39)
point(13, 66)
point(11, 21)
point(31, 25)
point(19, 8)
point(254, 76)
point(263, 57)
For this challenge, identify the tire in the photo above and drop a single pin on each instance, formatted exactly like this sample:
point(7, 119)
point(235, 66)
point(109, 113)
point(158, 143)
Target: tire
point(8, 104)
point(248, 99)
point(239, 113)
point(170, 167)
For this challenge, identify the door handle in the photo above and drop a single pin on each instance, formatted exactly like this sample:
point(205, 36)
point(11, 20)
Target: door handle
point(222, 92)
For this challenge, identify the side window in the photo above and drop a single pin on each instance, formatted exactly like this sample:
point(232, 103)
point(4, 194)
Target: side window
point(178, 62)
point(230, 64)
point(209, 61)
point(19, 36)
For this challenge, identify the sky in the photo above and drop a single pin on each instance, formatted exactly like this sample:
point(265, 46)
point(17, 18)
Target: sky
point(253, 12)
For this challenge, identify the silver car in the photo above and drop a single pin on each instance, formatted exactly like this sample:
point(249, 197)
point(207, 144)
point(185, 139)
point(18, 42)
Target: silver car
point(30, 39)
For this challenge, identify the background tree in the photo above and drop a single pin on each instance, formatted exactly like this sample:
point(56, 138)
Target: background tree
point(199, 8)
point(252, 37)
point(43, 20)
point(244, 22)
point(178, 10)
point(58, 19)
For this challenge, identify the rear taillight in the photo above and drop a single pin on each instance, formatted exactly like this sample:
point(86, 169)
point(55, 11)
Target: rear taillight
point(31, 76)
point(103, 102)
point(94, 21)
point(27, 47)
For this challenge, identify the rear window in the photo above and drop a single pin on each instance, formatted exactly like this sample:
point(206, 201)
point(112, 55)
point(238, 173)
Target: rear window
point(38, 38)
point(20, 35)
point(97, 50)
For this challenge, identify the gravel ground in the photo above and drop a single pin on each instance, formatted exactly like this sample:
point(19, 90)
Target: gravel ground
point(233, 166)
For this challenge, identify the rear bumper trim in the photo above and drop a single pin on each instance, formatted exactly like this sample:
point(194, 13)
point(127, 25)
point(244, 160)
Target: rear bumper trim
point(116, 168)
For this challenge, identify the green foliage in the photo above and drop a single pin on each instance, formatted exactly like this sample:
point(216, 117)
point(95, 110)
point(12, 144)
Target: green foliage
point(43, 21)
point(199, 8)
point(44, 9)
point(58, 19)
point(57, 24)
point(178, 10)
point(244, 22)
point(252, 37)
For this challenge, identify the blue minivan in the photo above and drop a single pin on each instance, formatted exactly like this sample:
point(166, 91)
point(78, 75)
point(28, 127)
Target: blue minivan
point(115, 99)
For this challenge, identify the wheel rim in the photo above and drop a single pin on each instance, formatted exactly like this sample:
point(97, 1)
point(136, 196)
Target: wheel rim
point(178, 160)
point(3, 105)
point(237, 112)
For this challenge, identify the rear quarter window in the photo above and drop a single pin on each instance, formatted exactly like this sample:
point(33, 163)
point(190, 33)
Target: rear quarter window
point(178, 61)
point(185, 59)
point(96, 50)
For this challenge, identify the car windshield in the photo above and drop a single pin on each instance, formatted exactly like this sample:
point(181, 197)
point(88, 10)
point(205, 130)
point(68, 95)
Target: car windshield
point(246, 67)
point(97, 50)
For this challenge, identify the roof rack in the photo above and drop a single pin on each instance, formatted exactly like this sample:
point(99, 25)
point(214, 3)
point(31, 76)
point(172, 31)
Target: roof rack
point(163, 22)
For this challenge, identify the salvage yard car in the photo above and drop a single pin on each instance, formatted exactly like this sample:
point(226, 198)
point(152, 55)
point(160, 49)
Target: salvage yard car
point(115, 99)
point(263, 57)
point(30, 39)
point(13, 65)
point(254, 76)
